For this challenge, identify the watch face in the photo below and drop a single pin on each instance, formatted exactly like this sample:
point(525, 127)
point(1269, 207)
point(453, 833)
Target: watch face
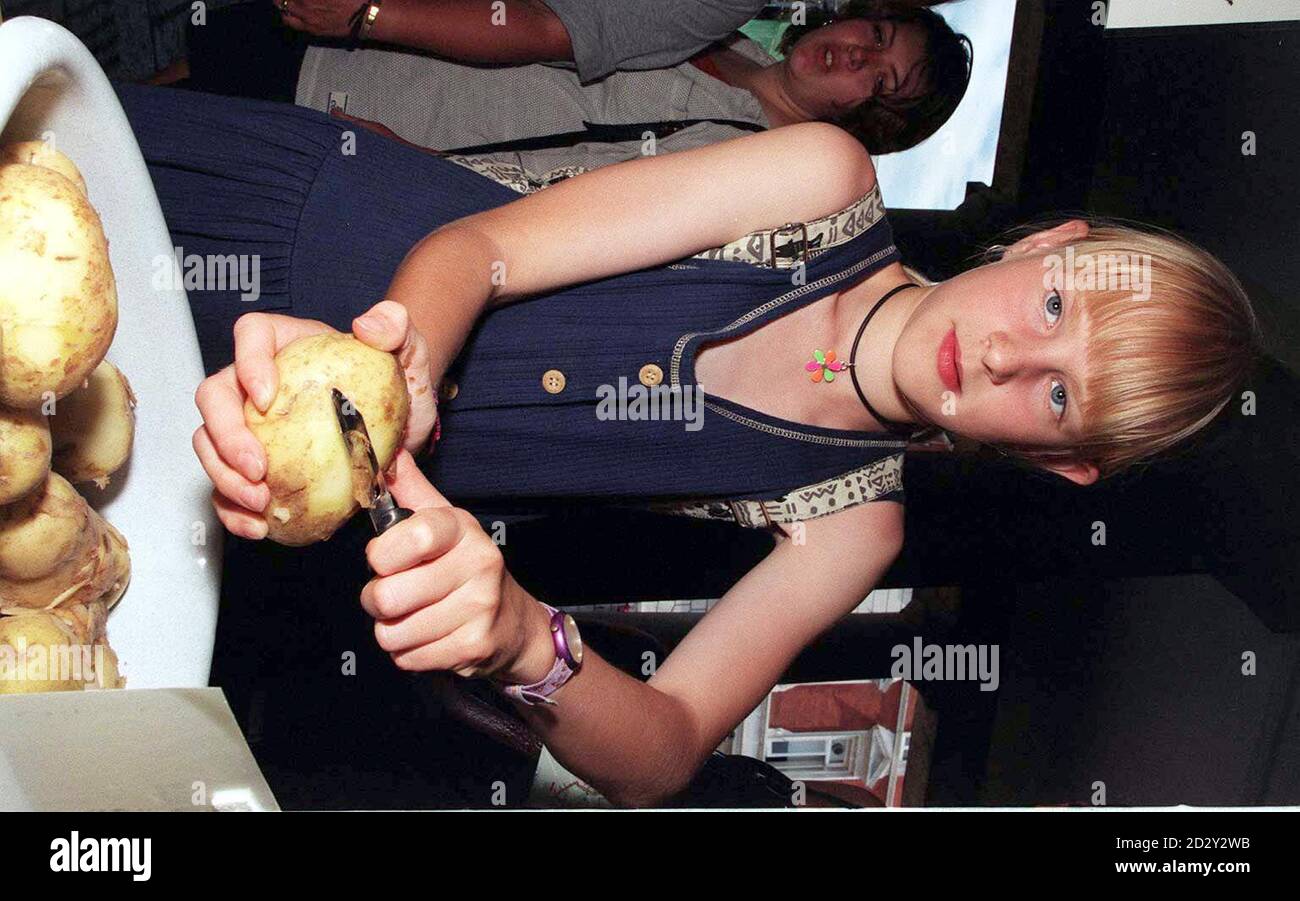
point(573, 639)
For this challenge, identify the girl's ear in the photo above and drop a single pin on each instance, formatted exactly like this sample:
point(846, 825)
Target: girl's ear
point(1063, 234)
point(1080, 473)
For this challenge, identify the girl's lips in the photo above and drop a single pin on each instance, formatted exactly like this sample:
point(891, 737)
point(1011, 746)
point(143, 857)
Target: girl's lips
point(949, 361)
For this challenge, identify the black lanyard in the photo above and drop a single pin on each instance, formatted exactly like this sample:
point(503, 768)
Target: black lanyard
point(600, 132)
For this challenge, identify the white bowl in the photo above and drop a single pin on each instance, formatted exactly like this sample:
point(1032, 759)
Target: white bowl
point(51, 88)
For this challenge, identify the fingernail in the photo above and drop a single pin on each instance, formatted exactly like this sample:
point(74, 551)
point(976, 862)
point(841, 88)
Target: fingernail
point(261, 393)
point(251, 465)
point(252, 497)
point(372, 322)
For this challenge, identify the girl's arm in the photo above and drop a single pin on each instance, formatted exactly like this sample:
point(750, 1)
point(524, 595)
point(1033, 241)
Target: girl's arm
point(641, 743)
point(621, 218)
point(443, 600)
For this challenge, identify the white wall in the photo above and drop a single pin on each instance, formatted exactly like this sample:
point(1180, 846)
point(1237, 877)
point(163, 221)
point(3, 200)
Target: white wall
point(1149, 13)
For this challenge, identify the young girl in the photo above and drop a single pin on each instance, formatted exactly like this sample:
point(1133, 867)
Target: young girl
point(681, 271)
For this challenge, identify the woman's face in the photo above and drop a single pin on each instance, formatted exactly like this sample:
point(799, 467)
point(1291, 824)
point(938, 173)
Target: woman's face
point(842, 65)
point(997, 355)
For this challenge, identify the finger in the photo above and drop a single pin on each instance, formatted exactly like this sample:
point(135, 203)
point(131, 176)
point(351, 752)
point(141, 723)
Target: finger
point(409, 485)
point(402, 593)
point(258, 338)
point(422, 538)
point(255, 359)
point(221, 404)
point(229, 483)
point(385, 326)
point(422, 626)
point(423, 416)
point(455, 653)
point(237, 520)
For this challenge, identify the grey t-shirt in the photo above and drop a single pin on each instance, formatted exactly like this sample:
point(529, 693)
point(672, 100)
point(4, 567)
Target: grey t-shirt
point(645, 34)
point(444, 105)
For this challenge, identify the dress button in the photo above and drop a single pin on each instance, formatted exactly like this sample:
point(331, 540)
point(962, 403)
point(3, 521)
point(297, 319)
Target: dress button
point(553, 381)
point(447, 390)
point(651, 375)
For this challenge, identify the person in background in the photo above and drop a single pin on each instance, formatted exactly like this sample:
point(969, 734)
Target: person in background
point(598, 36)
point(889, 71)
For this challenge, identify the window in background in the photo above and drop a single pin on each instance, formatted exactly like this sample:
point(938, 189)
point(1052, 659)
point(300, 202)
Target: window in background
point(933, 175)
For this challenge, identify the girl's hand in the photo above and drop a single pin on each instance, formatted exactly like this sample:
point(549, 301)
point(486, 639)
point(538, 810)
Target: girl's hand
point(233, 458)
point(442, 598)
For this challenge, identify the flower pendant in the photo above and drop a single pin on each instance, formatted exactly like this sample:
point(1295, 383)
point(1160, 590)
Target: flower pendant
point(823, 366)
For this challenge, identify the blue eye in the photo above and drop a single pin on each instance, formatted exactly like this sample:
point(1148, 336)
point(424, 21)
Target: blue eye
point(1053, 306)
point(1057, 399)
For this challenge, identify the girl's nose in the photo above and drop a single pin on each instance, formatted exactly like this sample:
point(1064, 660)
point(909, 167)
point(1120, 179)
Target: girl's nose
point(857, 57)
point(1002, 358)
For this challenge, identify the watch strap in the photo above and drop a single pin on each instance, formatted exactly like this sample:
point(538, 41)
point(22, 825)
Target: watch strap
point(540, 692)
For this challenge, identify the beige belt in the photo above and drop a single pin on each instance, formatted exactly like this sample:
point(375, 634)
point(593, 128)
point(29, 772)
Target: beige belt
point(860, 486)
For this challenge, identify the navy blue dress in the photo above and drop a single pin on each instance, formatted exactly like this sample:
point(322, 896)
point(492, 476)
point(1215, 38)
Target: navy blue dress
point(330, 220)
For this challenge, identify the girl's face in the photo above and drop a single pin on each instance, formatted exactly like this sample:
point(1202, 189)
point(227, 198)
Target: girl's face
point(839, 66)
point(997, 355)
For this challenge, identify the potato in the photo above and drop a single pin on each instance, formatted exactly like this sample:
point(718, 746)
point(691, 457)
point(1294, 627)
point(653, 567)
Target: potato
point(309, 471)
point(55, 550)
point(38, 153)
point(41, 530)
point(90, 622)
point(115, 557)
point(58, 301)
point(93, 427)
point(24, 452)
point(39, 652)
point(58, 650)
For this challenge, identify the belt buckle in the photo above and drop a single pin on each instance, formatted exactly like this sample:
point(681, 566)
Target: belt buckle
point(747, 520)
point(801, 254)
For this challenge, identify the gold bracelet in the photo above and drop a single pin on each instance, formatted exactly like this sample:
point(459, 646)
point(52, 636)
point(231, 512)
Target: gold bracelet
point(368, 20)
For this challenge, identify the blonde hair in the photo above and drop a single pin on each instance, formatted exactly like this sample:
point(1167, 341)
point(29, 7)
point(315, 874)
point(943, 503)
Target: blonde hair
point(1161, 367)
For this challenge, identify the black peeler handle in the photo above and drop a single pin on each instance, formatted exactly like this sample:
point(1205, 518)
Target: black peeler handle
point(385, 514)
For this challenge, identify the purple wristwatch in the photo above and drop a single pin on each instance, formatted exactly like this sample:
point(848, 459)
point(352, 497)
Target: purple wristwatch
point(568, 660)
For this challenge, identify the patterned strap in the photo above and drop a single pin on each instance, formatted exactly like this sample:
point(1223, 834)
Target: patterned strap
point(870, 483)
point(780, 248)
point(795, 242)
point(516, 178)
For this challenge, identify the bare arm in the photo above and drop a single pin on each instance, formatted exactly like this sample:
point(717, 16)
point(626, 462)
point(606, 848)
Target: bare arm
point(472, 31)
point(625, 217)
point(476, 31)
point(598, 36)
point(640, 743)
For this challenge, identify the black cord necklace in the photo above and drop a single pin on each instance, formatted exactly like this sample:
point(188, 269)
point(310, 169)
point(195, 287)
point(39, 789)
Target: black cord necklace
point(900, 428)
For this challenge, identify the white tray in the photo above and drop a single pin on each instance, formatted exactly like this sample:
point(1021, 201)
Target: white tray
point(163, 629)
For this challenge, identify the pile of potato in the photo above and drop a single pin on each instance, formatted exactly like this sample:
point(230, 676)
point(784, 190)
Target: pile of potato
point(66, 417)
